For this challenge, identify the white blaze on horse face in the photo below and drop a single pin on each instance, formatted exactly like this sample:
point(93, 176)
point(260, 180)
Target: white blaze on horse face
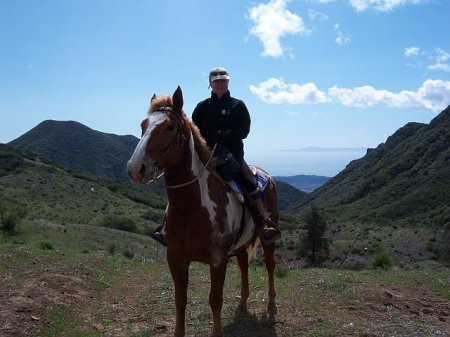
point(138, 158)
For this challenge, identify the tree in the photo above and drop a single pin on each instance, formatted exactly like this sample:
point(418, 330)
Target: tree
point(315, 241)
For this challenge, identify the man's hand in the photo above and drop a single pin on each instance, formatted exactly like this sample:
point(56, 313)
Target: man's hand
point(222, 136)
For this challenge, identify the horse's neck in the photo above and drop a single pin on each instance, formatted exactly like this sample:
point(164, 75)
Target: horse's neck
point(189, 168)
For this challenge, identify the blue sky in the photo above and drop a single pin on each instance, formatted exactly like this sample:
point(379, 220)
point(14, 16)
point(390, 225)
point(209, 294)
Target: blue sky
point(313, 73)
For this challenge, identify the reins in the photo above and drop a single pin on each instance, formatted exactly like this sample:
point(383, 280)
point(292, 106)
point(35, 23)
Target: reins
point(204, 168)
point(157, 176)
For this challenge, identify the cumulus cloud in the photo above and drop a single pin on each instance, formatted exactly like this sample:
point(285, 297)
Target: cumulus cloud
point(412, 51)
point(341, 38)
point(276, 91)
point(381, 5)
point(441, 59)
point(272, 21)
point(433, 95)
point(436, 60)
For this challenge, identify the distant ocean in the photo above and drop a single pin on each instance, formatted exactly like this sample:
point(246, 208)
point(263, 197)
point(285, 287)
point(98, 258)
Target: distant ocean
point(310, 161)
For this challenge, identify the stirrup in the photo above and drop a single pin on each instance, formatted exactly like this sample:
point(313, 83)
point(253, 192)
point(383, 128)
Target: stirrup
point(158, 236)
point(272, 238)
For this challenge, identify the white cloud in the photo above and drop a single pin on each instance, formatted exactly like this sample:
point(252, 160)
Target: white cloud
point(441, 58)
point(381, 5)
point(437, 60)
point(271, 22)
point(341, 38)
point(412, 51)
point(275, 91)
point(433, 95)
point(322, 1)
point(317, 16)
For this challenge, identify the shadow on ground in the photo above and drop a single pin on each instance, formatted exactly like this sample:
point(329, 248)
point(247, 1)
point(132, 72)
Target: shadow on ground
point(251, 325)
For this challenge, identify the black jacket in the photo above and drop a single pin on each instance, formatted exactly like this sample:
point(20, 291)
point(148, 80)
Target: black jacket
point(224, 120)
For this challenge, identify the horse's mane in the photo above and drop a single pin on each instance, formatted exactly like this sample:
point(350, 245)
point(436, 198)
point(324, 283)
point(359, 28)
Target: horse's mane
point(201, 147)
point(203, 150)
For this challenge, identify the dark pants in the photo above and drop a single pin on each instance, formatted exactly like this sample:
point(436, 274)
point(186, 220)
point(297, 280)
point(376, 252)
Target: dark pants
point(231, 167)
point(245, 177)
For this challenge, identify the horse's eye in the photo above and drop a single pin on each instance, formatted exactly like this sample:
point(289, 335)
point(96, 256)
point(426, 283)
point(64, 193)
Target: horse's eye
point(170, 128)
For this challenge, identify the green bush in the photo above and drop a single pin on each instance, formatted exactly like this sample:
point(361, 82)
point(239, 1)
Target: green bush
point(47, 245)
point(9, 223)
point(112, 249)
point(281, 271)
point(381, 260)
point(128, 254)
point(119, 222)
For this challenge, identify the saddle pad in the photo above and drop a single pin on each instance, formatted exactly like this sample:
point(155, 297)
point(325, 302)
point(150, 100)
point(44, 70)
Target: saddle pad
point(262, 177)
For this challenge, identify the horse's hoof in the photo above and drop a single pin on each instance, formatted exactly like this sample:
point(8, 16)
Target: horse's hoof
point(272, 308)
point(242, 307)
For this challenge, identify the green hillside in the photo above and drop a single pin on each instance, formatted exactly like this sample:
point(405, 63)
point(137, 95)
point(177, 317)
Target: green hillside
point(405, 180)
point(40, 190)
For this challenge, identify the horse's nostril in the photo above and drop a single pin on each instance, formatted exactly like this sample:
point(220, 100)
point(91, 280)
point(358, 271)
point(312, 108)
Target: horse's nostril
point(142, 171)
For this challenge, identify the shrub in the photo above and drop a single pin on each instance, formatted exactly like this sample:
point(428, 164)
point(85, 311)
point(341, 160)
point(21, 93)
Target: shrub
point(119, 222)
point(47, 245)
point(128, 254)
point(112, 249)
point(381, 260)
point(281, 271)
point(9, 223)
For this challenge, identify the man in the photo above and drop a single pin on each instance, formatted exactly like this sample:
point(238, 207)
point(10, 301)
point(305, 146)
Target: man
point(225, 121)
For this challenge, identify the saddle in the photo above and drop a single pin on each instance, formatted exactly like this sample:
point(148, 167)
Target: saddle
point(262, 177)
point(246, 232)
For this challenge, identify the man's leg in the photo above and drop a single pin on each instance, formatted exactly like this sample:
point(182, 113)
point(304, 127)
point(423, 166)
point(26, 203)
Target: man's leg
point(267, 229)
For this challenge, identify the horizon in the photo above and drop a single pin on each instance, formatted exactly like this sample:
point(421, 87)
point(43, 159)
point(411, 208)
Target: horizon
point(313, 73)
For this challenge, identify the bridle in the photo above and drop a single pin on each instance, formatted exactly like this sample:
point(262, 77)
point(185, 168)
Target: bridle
point(179, 138)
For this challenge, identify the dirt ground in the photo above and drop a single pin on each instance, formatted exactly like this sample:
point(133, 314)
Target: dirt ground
point(38, 295)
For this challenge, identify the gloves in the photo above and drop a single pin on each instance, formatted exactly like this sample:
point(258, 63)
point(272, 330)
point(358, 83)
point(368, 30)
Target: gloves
point(223, 136)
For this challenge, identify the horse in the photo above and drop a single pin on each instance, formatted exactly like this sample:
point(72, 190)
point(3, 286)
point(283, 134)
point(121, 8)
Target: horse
point(203, 215)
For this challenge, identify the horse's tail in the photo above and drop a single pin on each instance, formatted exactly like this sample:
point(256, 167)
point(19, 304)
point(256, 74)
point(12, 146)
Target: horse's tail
point(251, 250)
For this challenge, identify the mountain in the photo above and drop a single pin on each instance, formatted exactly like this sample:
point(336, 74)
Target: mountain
point(306, 183)
point(287, 195)
point(75, 146)
point(404, 180)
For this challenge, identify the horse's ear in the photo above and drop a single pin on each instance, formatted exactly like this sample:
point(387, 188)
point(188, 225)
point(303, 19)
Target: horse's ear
point(177, 99)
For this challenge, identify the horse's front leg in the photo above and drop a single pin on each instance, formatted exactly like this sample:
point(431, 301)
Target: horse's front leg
point(242, 260)
point(180, 275)
point(216, 296)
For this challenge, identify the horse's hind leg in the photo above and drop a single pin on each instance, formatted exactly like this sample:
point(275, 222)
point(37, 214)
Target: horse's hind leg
point(269, 259)
point(242, 260)
point(216, 296)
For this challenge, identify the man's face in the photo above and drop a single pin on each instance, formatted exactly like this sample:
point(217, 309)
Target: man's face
point(219, 87)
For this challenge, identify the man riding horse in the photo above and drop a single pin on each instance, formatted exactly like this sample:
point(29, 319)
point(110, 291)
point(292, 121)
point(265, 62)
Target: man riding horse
point(224, 122)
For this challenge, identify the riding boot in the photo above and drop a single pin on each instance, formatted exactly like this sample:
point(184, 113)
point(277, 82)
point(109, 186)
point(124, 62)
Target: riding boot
point(267, 229)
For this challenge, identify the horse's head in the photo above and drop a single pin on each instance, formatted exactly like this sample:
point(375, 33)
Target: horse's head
point(162, 139)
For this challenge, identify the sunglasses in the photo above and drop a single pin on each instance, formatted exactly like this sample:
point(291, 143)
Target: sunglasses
point(219, 73)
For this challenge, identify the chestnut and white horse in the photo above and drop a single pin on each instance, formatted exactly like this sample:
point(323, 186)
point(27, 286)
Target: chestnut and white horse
point(203, 216)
